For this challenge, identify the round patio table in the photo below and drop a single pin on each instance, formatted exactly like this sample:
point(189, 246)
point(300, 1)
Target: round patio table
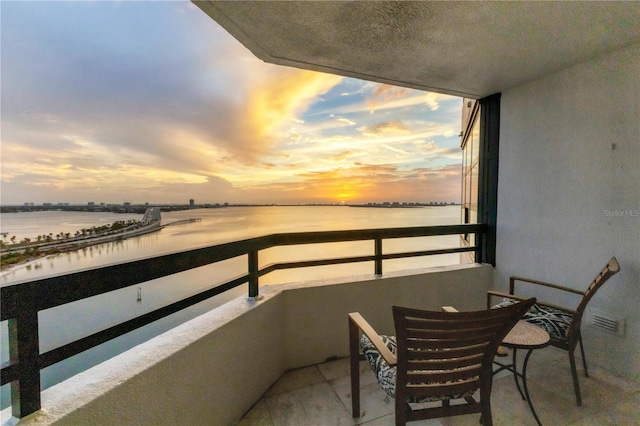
point(526, 336)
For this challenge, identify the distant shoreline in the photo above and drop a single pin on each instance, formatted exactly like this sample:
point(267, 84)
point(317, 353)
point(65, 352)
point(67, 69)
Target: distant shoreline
point(19, 254)
point(141, 208)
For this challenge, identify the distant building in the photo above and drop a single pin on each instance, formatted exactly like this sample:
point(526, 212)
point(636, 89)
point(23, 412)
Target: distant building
point(192, 202)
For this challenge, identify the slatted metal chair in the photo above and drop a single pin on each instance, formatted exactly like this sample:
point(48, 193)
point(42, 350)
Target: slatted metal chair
point(562, 323)
point(443, 357)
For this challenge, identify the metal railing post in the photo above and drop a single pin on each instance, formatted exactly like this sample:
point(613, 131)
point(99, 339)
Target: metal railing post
point(253, 273)
point(479, 254)
point(24, 349)
point(378, 253)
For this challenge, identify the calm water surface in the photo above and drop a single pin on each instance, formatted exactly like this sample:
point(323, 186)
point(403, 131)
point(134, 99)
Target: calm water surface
point(217, 225)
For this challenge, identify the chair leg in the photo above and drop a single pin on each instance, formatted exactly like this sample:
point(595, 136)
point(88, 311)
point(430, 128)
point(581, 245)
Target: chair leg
point(574, 373)
point(401, 412)
point(485, 403)
point(584, 359)
point(354, 355)
point(485, 417)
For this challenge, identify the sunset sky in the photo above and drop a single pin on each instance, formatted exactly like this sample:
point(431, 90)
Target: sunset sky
point(154, 102)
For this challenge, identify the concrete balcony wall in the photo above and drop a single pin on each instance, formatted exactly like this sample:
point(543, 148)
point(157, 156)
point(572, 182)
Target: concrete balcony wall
point(315, 327)
point(568, 195)
point(212, 369)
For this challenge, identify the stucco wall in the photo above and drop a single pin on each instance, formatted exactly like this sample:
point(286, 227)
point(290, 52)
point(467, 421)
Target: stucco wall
point(212, 369)
point(568, 198)
point(316, 316)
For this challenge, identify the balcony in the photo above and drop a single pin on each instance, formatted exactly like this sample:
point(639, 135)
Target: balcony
point(265, 362)
point(567, 201)
point(224, 360)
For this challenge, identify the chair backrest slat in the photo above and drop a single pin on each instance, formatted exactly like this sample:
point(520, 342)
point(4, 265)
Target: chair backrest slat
point(426, 353)
point(439, 366)
point(447, 388)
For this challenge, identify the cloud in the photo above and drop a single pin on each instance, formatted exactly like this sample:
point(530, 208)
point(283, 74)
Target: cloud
point(393, 127)
point(362, 183)
point(178, 112)
point(396, 150)
point(171, 106)
point(387, 92)
point(343, 120)
point(340, 157)
point(408, 99)
point(271, 103)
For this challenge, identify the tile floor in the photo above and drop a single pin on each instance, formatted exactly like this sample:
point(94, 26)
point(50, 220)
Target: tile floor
point(321, 395)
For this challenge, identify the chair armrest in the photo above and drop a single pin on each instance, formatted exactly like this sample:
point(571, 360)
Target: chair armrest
point(492, 293)
point(356, 320)
point(513, 279)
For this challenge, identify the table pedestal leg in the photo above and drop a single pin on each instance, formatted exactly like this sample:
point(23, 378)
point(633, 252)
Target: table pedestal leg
point(526, 389)
point(513, 368)
point(515, 374)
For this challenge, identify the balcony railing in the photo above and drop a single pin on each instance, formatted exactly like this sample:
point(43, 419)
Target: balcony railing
point(21, 302)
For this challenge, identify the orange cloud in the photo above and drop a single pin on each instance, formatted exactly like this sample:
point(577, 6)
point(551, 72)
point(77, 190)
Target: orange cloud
point(387, 92)
point(278, 99)
point(340, 157)
point(362, 183)
point(384, 93)
point(393, 127)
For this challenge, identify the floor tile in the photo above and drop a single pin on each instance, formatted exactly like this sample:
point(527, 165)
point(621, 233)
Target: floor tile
point(625, 412)
point(257, 416)
point(334, 369)
point(320, 395)
point(296, 379)
point(374, 402)
point(311, 405)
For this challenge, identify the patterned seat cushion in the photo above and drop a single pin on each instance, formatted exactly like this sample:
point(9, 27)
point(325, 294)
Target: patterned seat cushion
point(554, 321)
point(386, 374)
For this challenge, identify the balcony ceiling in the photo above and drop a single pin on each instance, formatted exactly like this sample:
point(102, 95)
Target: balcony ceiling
point(471, 49)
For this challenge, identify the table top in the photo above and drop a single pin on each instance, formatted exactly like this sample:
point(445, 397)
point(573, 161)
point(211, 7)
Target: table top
point(526, 335)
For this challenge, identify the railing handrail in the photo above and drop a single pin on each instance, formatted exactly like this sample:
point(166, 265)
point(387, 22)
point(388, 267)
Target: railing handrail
point(21, 301)
point(69, 287)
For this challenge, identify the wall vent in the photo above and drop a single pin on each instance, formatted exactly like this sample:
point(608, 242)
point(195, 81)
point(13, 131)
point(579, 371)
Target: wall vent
point(606, 322)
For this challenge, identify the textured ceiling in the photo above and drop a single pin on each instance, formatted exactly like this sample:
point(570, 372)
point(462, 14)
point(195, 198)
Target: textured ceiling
point(471, 49)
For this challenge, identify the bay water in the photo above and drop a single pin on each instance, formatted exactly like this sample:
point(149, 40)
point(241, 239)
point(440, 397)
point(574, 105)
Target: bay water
point(63, 324)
